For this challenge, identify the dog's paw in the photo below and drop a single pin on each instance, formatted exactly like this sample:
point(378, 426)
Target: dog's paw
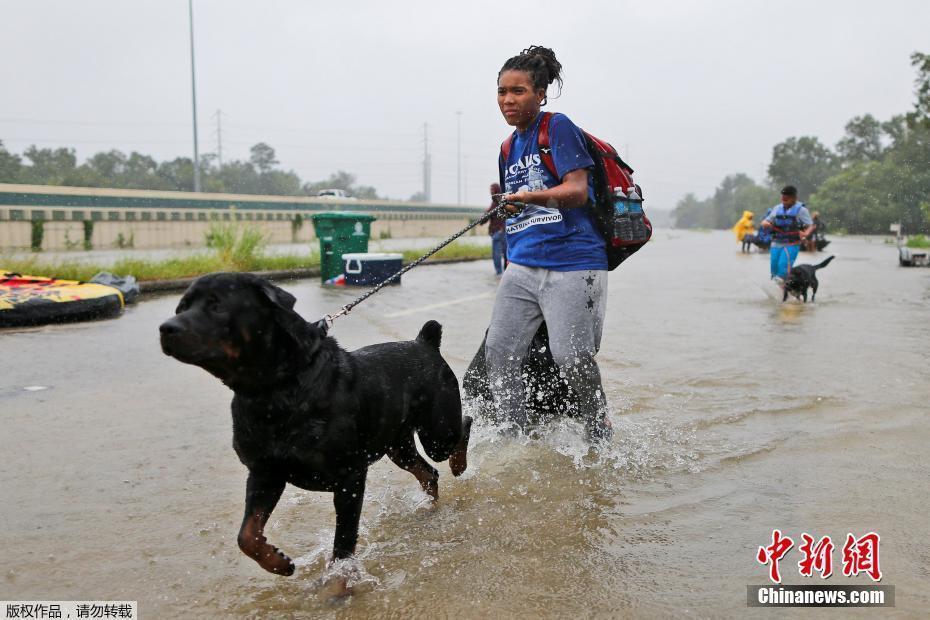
point(458, 460)
point(343, 577)
point(277, 562)
point(599, 432)
point(431, 488)
point(336, 587)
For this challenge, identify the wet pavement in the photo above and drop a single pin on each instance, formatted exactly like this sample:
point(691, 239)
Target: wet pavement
point(734, 415)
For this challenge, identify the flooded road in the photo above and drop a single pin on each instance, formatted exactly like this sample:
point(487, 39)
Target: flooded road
point(734, 415)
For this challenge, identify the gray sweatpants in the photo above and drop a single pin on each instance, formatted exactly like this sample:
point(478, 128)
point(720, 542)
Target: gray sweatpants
point(573, 304)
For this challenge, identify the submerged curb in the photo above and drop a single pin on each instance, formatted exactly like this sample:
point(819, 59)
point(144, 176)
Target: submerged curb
point(164, 286)
point(159, 286)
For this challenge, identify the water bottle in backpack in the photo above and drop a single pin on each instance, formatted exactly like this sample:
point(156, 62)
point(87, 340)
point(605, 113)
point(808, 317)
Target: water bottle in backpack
point(629, 227)
point(635, 209)
point(623, 225)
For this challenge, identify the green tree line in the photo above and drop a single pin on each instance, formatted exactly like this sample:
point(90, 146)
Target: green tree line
point(261, 174)
point(878, 173)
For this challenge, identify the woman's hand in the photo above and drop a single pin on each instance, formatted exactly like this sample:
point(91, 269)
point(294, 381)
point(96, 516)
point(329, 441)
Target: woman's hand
point(521, 196)
point(570, 193)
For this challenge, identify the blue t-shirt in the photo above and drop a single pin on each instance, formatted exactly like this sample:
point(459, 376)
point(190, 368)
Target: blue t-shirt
point(556, 239)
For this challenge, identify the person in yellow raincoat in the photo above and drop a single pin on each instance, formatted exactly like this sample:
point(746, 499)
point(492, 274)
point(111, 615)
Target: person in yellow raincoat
point(744, 226)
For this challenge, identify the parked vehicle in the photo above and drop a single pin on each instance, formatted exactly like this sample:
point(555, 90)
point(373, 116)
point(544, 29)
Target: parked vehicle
point(341, 194)
point(913, 257)
point(908, 256)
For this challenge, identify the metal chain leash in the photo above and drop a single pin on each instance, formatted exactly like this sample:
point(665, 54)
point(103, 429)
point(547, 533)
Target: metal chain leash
point(328, 320)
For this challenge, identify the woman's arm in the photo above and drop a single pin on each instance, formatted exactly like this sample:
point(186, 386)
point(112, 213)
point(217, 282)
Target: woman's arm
point(571, 193)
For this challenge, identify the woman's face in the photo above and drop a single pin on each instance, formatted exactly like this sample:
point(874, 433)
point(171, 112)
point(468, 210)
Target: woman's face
point(518, 100)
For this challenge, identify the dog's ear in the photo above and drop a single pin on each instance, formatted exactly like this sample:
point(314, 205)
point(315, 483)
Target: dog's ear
point(304, 335)
point(278, 296)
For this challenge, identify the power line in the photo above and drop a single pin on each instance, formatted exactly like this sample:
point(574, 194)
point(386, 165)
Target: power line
point(39, 121)
point(116, 141)
point(290, 129)
point(316, 146)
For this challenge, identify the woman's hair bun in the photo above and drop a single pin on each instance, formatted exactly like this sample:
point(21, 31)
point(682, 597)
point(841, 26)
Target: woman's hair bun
point(540, 62)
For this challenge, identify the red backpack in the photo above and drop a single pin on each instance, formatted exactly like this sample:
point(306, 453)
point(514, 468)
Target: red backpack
point(610, 172)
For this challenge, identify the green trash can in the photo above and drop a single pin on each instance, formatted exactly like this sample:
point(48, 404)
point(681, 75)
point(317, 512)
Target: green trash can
point(340, 233)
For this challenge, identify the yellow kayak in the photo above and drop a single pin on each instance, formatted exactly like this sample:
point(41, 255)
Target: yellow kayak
point(34, 300)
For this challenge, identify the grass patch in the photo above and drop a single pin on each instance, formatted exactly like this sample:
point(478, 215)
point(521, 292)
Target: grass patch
point(171, 269)
point(33, 266)
point(918, 241)
point(455, 250)
point(223, 257)
point(231, 247)
point(235, 245)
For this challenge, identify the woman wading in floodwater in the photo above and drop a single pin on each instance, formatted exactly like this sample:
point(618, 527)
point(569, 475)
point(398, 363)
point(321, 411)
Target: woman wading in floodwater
point(558, 260)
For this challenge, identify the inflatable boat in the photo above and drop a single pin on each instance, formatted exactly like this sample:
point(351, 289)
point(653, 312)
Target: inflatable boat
point(35, 300)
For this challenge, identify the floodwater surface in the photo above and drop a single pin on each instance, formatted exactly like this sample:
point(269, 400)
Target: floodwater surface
point(734, 415)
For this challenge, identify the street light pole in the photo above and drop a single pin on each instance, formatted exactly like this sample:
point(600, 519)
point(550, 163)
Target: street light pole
point(458, 156)
point(426, 165)
point(190, 7)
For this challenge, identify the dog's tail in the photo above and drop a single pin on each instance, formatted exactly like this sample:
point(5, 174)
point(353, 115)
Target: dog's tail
point(431, 334)
point(824, 263)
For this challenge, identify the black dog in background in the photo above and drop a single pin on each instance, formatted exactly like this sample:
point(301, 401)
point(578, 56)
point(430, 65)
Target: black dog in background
point(801, 278)
point(309, 413)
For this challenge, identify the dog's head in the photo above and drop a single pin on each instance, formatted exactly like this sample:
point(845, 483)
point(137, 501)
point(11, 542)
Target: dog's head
point(796, 279)
point(237, 327)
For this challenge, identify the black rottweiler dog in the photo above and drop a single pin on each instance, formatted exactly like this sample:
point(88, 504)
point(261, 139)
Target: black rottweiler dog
point(801, 278)
point(309, 413)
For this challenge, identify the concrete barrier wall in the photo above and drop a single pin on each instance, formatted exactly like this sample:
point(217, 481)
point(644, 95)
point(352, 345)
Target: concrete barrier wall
point(69, 235)
point(155, 220)
point(15, 235)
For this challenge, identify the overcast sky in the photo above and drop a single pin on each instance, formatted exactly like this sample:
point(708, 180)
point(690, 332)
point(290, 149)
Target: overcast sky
point(688, 91)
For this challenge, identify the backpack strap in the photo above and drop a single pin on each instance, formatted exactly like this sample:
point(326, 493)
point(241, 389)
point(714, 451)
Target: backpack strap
point(505, 153)
point(505, 148)
point(542, 142)
point(545, 150)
